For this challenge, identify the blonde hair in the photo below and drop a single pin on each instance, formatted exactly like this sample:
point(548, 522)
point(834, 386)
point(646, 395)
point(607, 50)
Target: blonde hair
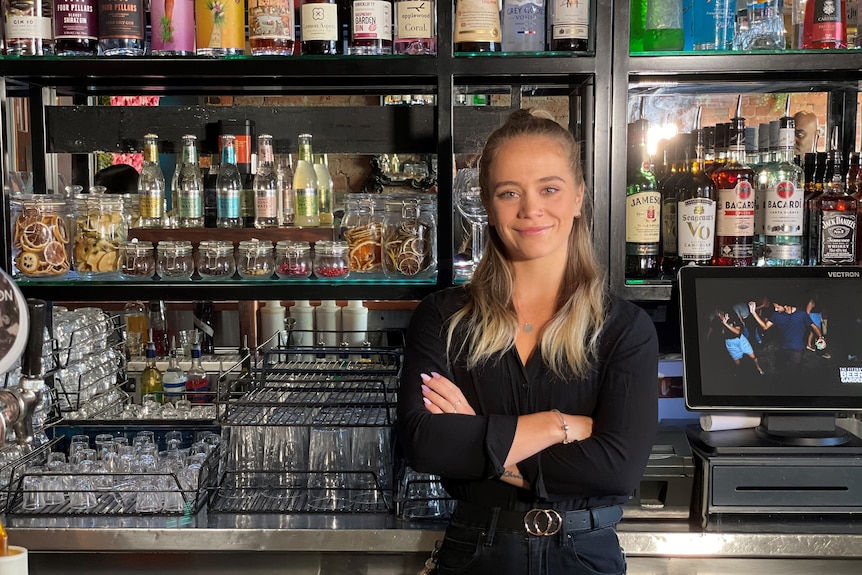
point(489, 321)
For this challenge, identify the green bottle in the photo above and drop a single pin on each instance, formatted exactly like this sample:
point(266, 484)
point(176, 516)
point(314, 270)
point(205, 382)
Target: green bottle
point(151, 376)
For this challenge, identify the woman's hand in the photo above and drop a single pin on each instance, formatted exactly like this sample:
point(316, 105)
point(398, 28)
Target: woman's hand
point(442, 396)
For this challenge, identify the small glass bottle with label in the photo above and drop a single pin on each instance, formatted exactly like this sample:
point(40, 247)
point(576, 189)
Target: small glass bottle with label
point(173, 27)
point(265, 185)
point(151, 186)
point(228, 186)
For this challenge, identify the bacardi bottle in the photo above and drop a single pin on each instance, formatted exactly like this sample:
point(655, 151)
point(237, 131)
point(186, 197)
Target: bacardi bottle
point(836, 213)
point(643, 208)
point(734, 218)
point(696, 208)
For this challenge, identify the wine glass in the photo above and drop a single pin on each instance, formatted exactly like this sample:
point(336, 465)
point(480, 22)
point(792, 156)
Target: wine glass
point(468, 200)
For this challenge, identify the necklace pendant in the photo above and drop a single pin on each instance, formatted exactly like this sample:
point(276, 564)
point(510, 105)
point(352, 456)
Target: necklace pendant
point(528, 327)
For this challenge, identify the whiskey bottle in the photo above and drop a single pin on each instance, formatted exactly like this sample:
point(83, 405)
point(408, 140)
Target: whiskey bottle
point(321, 23)
point(696, 198)
point(836, 215)
point(189, 210)
point(370, 27)
point(781, 193)
point(477, 26)
point(643, 208)
point(151, 186)
point(270, 27)
point(570, 26)
point(415, 27)
point(734, 217)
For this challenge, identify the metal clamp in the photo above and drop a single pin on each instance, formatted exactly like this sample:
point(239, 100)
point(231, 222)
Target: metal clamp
point(543, 522)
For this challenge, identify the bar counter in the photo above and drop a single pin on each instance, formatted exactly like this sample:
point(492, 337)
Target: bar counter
point(381, 544)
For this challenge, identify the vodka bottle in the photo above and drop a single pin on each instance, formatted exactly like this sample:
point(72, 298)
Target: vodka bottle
point(523, 25)
point(151, 185)
point(228, 186)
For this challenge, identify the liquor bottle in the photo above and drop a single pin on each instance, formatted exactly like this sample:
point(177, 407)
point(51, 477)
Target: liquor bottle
point(28, 27)
point(76, 27)
point(370, 27)
point(284, 179)
point(681, 152)
point(305, 187)
point(663, 28)
point(219, 28)
point(696, 197)
point(197, 381)
point(228, 186)
point(158, 327)
point(151, 186)
point(243, 382)
point(174, 378)
point(324, 189)
point(569, 26)
point(270, 27)
point(765, 30)
point(173, 27)
point(836, 214)
point(816, 165)
point(643, 208)
point(718, 149)
point(781, 192)
point(734, 184)
point(135, 318)
point(190, 188)
point(151, 376)
point(523, 25)
point(824, 27)
point(202, 317)
point(853, 174)
point(321, 23)
point(415, 27)
point(637, 23)
point(265, 185)
point(121, 28)
point(477, 26)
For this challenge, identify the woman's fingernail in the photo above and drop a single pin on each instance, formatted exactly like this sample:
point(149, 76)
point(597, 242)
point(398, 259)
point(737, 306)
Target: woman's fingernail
point(425, 388)
point(425, 377)
point(426, 400)
point(435, 374)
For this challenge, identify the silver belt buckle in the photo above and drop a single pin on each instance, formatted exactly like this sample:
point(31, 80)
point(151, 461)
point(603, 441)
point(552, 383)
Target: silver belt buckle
point(543, 522)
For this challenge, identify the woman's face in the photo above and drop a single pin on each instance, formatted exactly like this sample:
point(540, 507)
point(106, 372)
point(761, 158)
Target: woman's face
point(534, 198)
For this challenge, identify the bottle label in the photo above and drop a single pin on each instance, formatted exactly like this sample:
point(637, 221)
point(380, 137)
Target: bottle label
point(75, 19)
point(190, 204)
point(219, 25)
point(228, 204)
point(319, 22)
point(735, 211)
point(837, 238)
point(372, 20)
point(477, 21)
point(414, 19)
point(827, 23)
point(643, 217)
point(26, 26)
point(783, 210)
point(151, 204)
point(270, 19)
point(306, 202)
point(571, 20)
point(121, 20)
point(173, 25)
point(783, 252)
point(266, 205)
point(696, 227)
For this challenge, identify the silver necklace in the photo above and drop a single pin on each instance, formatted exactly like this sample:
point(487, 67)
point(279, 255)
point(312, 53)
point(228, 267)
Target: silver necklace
point(528, 327)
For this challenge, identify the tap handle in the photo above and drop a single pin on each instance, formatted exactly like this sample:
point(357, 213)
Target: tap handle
point(31, 362)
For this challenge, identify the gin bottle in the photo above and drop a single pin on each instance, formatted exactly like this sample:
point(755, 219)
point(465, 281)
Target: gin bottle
point(121, 28)
point(415, 27)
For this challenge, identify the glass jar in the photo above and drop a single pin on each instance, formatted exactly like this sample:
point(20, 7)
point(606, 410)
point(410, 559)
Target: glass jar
point(331, 260)
point(216, 260)
point(132, 210)
point(410, 237)
point(255, 260)
point(175, 261)
point(292, 259)
point(40, 235)
point(362, 229)
point(137, 261)
point(100, 228)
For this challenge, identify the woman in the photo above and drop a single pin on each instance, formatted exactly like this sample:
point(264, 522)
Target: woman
point(531, 391)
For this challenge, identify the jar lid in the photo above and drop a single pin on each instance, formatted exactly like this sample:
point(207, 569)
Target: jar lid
point(139, 247)
point(327, 247)
point(181, 246)
point(292, 245)
point(218, 246)
point(255, 244)
point(38, 201)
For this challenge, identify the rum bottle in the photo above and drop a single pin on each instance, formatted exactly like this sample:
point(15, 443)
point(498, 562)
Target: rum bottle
point(477, 26)
point(189, 210)
point(270, 27)
point(570, 25)
point(228, 186)
point(321, 23)
point(415, 27)
point(121, 27)
point(643, 208)
point(734, 183)
point(824, 27)
point(151, 186)
point(837, 216)
point(696, 197)
point(305, 187)
point(76, 27)
point(370, 27)
point(265, 185)
point(151, 376)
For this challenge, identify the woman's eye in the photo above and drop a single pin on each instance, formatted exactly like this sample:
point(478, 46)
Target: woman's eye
point(550, 190)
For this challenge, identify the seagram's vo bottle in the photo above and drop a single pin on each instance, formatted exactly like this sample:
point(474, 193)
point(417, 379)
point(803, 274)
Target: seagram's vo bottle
point(696, 208)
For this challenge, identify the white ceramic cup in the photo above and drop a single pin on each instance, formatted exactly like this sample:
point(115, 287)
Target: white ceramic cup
point(15, 563)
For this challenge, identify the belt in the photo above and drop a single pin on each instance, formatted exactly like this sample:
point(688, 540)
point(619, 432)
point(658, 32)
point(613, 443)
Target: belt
point(538, 521)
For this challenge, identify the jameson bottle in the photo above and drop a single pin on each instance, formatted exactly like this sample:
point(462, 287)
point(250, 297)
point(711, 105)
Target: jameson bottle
point(28, 27)
point(265, 185)
point(837, 215)
point(76, 27)
point(173, 27)
point(370, 27)
point(228, 186)
point(307, 204)
point(321, 23)
point(696, 197)
point(415, 27)
point(190, 187)
point(477, 26)
point(570, 25)
point(643, 208)
point(270, 27)
point(734, 184)
point(121, 27)
point(151, 186)
point(781, 197)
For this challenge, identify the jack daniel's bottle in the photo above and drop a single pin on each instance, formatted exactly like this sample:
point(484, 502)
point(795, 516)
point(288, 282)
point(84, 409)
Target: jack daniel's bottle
point(836, 215)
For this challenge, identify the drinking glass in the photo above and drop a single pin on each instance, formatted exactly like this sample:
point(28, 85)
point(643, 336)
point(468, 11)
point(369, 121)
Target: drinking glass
point(286, 458)
point(423, 496)
point(329, 459)
point(372, 463)
point(33, 486)
point(246, 455)
point(468, 200)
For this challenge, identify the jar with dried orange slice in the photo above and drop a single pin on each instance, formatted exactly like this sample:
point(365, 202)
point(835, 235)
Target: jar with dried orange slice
point(410, 236)
point(362, 229)
point(100, 228)
point(40, 235)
